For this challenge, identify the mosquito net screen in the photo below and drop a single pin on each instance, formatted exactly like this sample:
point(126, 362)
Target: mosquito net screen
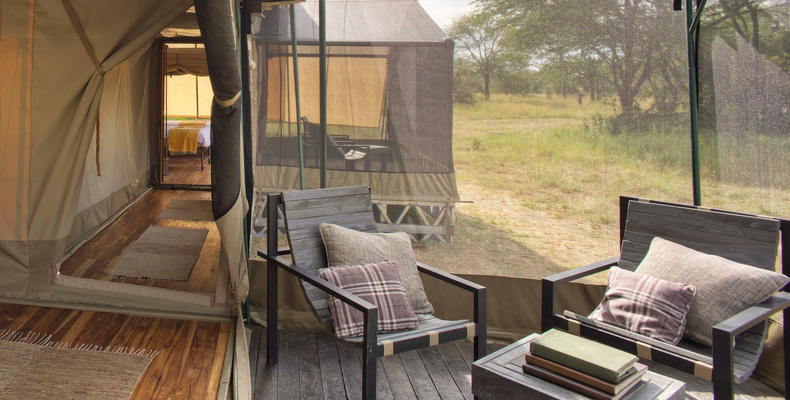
point(389, 100)
point(744, 100)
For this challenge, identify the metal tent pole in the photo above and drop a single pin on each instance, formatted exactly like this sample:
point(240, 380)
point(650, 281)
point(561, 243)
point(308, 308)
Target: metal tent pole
point(692, 25)
point(323, 78)
point(298, 101)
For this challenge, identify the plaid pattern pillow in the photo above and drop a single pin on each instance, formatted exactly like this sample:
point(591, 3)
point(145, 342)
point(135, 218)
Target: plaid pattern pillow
point(377, 283)
point(646, 305)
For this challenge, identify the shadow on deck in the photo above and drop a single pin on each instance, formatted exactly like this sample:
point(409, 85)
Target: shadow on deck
point(315, 366)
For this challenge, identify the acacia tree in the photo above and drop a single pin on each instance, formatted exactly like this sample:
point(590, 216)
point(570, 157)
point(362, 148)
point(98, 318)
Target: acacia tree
point(626, 36)
point(478, 37)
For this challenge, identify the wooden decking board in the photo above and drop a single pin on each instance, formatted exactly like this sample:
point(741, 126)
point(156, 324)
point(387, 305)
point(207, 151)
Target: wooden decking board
point(97, 256)
point(440, 372)
point(397, 378)
point(457, 367)
point(418, 375)
point(351, 365)
point(309, 367)
point(288, 368)
point(185, 170)
point(331, 375)
point(440, 375)
point(191, 353)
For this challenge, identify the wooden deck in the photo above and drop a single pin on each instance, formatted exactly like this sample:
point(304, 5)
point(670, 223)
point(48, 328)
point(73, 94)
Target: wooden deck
point(191, 353)
point(185, 170)
point(315, 366)
point(96, 257)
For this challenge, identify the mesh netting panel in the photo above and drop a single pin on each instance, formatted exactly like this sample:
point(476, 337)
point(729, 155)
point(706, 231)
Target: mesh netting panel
point(745, 100)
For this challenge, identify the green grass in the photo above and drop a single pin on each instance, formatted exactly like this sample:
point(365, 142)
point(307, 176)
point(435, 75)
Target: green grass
point(546, 183)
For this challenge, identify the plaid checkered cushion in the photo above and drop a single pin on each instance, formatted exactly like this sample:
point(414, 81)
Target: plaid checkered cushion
point(646, 305)
point(377, 283)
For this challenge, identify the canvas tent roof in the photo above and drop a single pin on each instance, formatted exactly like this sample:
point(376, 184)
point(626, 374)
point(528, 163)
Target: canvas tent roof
point(382, 21)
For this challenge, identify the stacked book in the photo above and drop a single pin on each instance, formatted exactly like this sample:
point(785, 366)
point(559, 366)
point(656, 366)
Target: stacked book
point(584, 366)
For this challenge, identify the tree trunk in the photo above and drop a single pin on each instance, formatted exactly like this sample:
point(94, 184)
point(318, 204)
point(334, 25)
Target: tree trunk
point(626, 102)
point(486, 84)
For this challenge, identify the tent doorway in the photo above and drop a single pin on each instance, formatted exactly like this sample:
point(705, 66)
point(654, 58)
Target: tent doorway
point(185, 147)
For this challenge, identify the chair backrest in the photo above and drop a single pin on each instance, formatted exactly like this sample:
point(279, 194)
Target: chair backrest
point(743, 238)
point(304, 210)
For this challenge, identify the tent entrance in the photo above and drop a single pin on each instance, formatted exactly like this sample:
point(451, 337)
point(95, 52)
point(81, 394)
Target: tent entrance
point(185, 146)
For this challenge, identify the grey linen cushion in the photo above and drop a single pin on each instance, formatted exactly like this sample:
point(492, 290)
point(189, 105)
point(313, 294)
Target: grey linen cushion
point(724, 287)
point(646, 305)
point(349, 247)
point(377, 283)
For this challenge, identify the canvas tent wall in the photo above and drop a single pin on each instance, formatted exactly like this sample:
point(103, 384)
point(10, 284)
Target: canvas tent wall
point(65, 66)
point(389, 97)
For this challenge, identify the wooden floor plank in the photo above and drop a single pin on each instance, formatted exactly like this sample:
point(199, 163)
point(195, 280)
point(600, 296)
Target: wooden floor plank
point(331, 375)
point(383, 390)
point(351, 365)
point(440, 375)
point(397, 378)
point(265, 382)
point(418, 375)
point(309, 367)
point(458, 368)
point(191, 353)
point(185, 170)
point(95, 258)
point(288, 368)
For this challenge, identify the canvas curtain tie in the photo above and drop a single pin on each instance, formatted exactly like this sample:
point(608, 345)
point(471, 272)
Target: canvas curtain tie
point(229, 102)
point(75, 22)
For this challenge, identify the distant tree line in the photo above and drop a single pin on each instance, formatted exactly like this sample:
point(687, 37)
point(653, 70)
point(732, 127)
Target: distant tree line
point(633, 51)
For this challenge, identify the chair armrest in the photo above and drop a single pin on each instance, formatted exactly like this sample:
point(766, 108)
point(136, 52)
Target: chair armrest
point(340, 293)
point(724, 339)
point(480, 303)
point(549, 284)
point(755, 314)
point(449, 278)
point(580, 272)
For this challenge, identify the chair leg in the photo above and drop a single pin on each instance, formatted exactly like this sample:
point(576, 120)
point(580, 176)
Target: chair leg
point(786, 343)
point(723, 384)
point(369, 344)
point(480, 324)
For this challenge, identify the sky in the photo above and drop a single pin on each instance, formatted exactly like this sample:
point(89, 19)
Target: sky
point(445, 11)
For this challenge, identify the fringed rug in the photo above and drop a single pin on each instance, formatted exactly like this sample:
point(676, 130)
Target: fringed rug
point(188, 210)
point(32, 366)
point(161, 253)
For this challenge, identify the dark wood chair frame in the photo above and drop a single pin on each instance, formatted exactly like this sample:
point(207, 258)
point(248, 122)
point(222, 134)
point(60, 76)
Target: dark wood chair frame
point(371, 349)
point(723, 333)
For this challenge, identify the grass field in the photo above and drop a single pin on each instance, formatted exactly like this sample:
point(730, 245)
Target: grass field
point(544, 183)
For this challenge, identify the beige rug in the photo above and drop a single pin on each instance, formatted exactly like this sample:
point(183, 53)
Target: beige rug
point(161, 253)
point(32, 366)
point(188, 210)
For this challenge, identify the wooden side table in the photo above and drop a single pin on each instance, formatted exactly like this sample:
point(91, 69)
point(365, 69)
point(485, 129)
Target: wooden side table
point(499, 376)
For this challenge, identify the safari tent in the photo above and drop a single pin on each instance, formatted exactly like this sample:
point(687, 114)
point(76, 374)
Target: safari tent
point(79, 128)
point(389, 106)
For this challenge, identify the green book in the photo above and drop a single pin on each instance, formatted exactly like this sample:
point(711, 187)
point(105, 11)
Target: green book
point(584, 355)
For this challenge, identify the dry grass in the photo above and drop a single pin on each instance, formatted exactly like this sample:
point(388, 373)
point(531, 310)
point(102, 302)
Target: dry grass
point(545, 186)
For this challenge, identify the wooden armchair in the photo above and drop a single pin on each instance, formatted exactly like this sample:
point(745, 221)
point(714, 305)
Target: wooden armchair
point(737, 341)
point(351, 207)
